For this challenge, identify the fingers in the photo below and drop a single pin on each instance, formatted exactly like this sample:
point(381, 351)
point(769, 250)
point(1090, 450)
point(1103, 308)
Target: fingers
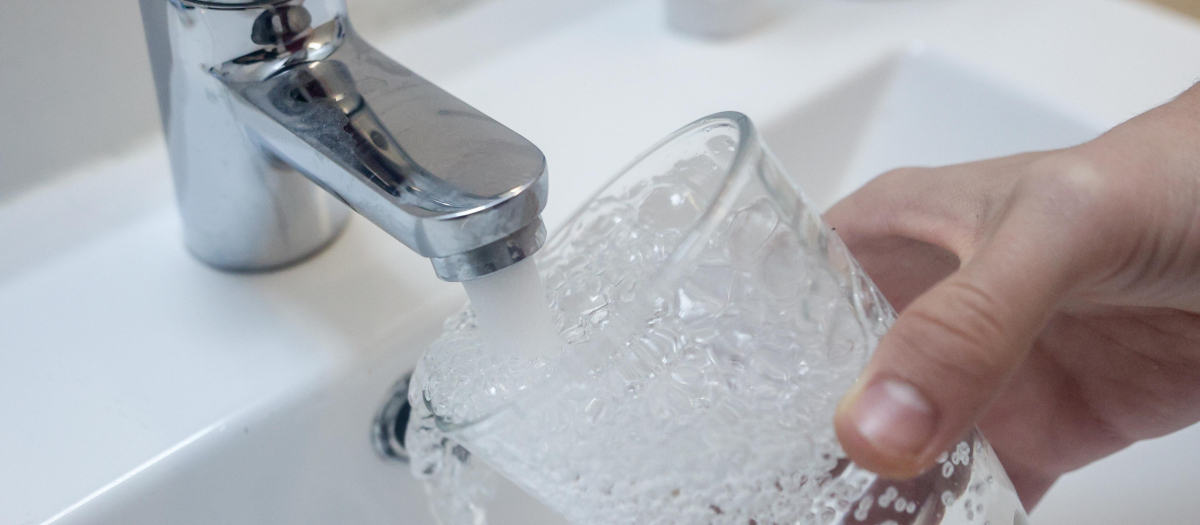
point(951, 352)
point(946, 207)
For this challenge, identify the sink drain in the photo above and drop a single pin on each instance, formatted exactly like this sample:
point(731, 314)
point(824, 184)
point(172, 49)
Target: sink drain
point(391, 422)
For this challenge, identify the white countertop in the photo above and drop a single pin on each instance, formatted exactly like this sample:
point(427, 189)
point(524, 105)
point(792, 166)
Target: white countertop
point(117, 349)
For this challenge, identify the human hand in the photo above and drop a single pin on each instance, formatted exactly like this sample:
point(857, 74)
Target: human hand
point(1053, 298)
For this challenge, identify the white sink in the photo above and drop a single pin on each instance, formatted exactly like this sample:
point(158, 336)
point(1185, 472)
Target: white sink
point(916, 108)
point(146, 388)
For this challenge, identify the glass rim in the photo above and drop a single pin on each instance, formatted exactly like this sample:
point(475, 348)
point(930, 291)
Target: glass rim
point(746, 151)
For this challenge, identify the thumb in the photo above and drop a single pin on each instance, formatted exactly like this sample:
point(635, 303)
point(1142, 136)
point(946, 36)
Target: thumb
point(949, 354)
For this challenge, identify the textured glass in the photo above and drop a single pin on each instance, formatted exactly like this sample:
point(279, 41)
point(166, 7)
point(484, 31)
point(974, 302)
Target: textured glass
point(712, 323)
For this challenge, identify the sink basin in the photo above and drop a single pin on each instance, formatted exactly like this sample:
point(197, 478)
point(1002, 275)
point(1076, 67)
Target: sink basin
point(916, 108)
point(306, 456)
point(148, 389)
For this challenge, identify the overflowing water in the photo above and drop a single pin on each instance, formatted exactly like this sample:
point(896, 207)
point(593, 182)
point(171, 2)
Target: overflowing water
point(703, 395)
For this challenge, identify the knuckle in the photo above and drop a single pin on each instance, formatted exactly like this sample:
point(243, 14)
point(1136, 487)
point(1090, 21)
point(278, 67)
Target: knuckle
point(1068, 186)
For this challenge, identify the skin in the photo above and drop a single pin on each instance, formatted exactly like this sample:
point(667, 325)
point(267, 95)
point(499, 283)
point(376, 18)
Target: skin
point(1052, 298)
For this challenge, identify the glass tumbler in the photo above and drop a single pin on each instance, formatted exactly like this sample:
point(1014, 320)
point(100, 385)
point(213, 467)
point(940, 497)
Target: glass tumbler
point(711, 322)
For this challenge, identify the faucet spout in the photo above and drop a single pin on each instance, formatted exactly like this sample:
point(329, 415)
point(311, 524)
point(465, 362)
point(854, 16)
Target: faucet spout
point(296, 94)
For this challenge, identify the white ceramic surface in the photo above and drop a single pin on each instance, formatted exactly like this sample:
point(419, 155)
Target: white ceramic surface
point(138, 386)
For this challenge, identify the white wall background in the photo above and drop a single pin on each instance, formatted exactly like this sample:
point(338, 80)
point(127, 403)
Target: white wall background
point(75, 80)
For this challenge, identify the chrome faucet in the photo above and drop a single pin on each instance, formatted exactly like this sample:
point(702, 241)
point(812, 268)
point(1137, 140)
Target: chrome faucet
point(266, 102)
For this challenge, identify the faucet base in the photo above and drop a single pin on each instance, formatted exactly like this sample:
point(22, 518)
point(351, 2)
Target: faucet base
point(310, 244)
point(265, 216)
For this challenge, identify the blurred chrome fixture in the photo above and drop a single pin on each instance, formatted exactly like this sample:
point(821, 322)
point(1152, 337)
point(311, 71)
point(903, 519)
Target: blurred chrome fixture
point(716, 18)
point(391, 423)
point(261, 99)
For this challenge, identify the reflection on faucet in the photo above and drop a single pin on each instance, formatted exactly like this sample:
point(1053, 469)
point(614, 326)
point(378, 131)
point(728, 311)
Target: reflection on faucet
point(257, 94)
